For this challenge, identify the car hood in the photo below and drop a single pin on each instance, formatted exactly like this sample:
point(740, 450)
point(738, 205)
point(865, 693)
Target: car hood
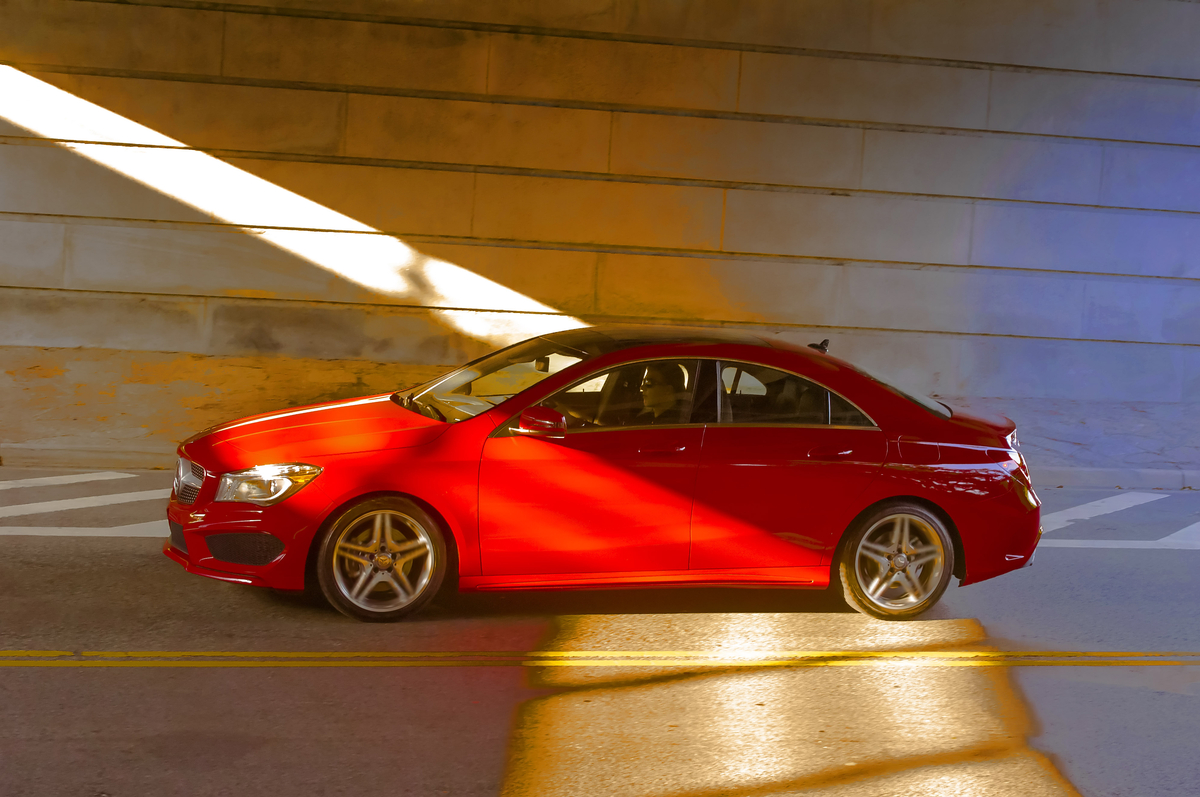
point(372, 423)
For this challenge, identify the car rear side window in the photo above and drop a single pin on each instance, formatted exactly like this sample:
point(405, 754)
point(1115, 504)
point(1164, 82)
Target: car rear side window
point(758, 394)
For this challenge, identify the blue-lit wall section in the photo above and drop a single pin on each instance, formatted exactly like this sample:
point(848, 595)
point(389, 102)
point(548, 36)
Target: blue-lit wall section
point(994, 202)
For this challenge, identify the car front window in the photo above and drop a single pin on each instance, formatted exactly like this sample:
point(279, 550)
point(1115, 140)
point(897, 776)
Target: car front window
point(647, 393)
point(482, 384)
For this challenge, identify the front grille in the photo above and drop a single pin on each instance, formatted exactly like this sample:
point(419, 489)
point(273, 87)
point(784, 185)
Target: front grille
point(188, 479)
point(177, 536)
point(245, 549)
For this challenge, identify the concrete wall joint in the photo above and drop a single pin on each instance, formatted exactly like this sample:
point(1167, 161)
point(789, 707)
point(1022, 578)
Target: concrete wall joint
point(208, 303)
point(574, 33)
point(587, 105)
point(607, 177)
point(595, 248)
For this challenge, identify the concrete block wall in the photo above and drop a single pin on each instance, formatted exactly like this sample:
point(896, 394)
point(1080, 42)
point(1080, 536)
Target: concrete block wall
point(988, 201)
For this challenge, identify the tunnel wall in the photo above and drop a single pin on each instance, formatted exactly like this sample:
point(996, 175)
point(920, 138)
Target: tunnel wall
point(991, 202)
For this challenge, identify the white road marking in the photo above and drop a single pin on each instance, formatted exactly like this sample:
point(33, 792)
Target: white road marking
point(1186, 539)
point(1165, 544)
point(80, 503)
point(155, 528)
point(45, 481)
point(1187, 534)
point(1115, 503)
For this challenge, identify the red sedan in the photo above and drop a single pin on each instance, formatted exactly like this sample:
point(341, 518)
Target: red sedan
point(612, 457)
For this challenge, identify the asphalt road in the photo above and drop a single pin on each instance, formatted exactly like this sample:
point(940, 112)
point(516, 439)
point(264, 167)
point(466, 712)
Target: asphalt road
point(118, 674)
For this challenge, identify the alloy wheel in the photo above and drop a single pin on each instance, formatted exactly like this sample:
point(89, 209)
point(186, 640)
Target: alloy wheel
point(899, 562)
point(383, 561)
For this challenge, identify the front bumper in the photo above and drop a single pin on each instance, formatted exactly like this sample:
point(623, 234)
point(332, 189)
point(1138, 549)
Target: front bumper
point(243, 543)
point(173, 553)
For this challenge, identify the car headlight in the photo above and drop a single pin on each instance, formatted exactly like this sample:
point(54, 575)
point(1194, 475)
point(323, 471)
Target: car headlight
point(265, 484)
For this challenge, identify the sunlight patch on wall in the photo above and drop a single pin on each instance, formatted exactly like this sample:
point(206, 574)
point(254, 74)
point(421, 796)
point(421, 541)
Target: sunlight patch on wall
point(476, 306)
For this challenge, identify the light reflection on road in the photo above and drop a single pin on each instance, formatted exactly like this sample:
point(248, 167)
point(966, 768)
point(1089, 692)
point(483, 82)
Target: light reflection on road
point(890, 728)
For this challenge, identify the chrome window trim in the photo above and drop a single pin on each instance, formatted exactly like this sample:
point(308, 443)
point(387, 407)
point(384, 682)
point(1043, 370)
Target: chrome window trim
point(640, 428)
point(736, 424)
point(504, 429)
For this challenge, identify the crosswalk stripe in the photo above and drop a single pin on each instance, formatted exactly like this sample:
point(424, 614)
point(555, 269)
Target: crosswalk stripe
point(45, 507)
point(1188, 534)
point(1057, 520)
point(75, 478)
point(1159, 545)
point(155, 528)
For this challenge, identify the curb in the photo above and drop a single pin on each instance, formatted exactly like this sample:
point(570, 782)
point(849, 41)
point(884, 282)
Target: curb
point(1116, 478)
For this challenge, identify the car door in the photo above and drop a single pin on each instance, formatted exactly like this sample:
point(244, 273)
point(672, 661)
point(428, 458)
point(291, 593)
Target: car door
point(613, 495)
point(777, 482)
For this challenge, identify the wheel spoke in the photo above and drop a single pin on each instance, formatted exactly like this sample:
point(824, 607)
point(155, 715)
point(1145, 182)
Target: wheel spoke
point(389, 543)
point(881, 582)
point(376, 531)
point(877, 558)
point(895, 541)
point(403, 579)
point(353, 557)
point(912, 585)
point(875, 547)
point(394, 579)
point(905, 535)
point(922, 560)
point(361, 587)
point(410, 551)
point(353, 547)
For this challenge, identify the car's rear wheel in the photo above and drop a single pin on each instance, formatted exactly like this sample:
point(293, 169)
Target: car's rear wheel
point(896, 562)
point(382, 559)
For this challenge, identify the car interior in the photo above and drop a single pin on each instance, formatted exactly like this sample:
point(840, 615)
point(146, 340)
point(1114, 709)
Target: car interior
point(748, 394)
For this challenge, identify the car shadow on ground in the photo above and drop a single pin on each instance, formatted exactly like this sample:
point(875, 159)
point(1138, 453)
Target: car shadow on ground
point(479, 605)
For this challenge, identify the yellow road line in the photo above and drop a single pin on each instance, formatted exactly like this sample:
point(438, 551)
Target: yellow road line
point(594, 654)
point(662, 662)
point(289, 654)
point(631, 658)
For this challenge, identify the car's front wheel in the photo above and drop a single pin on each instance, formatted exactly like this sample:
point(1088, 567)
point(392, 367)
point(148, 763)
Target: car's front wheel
point(382, 559)
point(896, 562)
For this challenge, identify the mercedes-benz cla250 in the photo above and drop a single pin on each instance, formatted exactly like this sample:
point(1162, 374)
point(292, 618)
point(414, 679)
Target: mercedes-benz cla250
point(612, 457)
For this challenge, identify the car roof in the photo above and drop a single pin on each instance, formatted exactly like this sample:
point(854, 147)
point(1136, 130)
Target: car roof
point(611, 337)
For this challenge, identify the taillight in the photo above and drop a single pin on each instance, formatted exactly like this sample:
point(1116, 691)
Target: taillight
point(1011, 460)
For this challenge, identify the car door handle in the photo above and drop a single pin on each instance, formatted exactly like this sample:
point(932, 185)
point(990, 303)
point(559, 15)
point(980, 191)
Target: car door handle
point(829, 452)
point(667, 450)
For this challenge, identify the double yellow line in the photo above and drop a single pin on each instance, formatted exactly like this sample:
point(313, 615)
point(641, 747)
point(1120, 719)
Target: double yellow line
point(597, 658)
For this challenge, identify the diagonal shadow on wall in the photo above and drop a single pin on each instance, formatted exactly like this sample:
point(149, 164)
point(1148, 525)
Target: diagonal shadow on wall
point(141, 244)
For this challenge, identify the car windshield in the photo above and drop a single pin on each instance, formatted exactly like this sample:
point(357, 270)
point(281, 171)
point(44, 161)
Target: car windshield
point(480, 385)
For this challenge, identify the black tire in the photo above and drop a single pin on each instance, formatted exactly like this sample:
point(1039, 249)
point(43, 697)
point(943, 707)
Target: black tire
point(899, 533)
point(382, 559)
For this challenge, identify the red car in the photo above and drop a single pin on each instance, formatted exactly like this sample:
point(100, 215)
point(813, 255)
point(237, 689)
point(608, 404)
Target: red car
point(612, 457)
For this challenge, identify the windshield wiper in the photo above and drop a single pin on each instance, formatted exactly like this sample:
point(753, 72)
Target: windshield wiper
point(412, 404)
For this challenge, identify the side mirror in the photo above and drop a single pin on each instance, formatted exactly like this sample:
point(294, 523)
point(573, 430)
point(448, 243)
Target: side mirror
point(542, 422)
